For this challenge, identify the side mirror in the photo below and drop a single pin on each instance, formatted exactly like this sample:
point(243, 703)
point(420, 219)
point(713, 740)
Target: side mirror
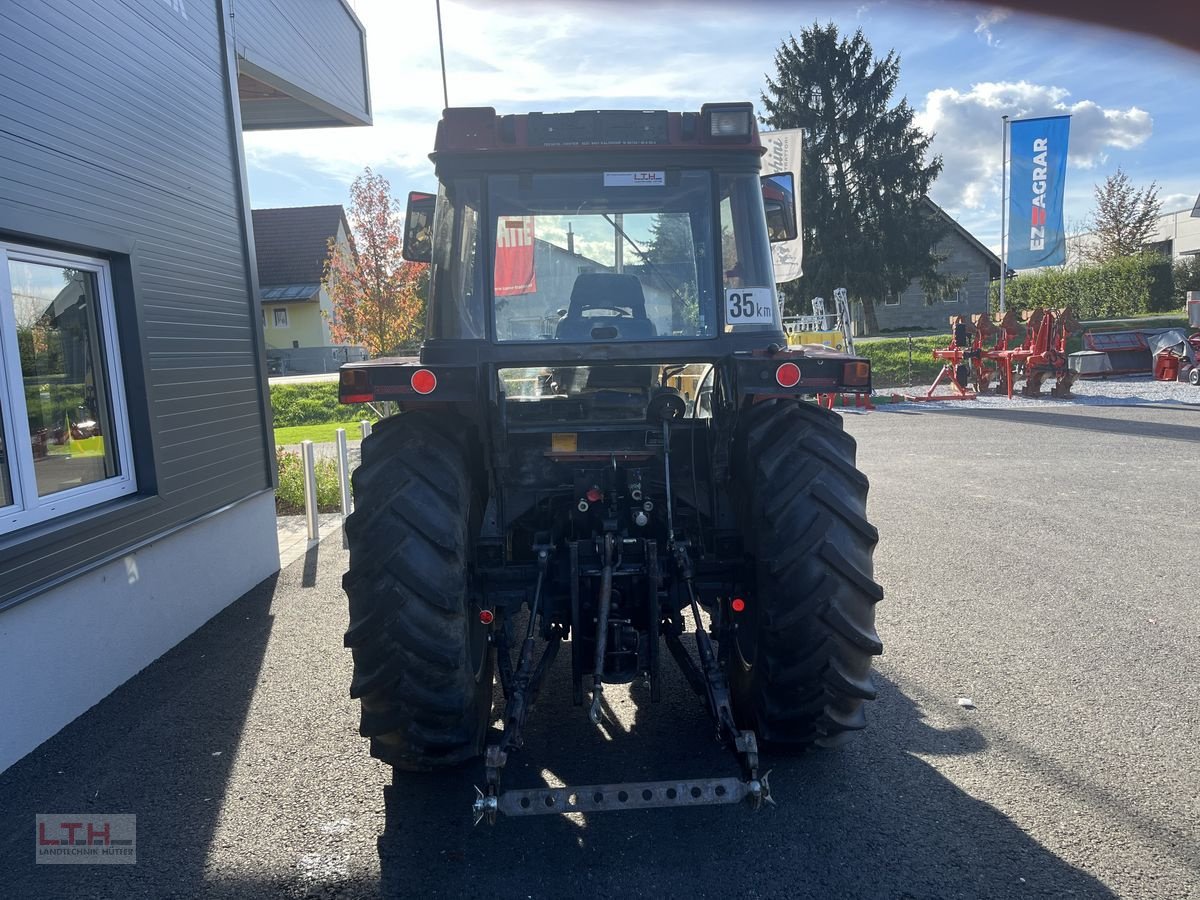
point(418, 227)
point(779, 202)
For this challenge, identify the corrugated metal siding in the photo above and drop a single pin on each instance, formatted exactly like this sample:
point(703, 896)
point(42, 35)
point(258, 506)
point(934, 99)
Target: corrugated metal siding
point(308, 43)
point(115, 138)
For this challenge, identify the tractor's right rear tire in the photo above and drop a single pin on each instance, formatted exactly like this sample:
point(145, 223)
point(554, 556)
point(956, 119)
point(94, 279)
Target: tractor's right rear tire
point(800, 668)
point(423, 668)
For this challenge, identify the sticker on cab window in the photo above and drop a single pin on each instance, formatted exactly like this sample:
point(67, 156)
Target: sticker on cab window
point(635, 179)
point(749, 306)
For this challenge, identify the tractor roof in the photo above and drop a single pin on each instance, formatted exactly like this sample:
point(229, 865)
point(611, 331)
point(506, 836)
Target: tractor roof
point(479, 130)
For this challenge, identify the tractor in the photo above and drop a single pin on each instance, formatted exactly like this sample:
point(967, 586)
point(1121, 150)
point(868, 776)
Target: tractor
point(607, 443)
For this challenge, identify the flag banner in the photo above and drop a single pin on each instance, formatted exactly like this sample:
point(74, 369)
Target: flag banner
point(1036, 179)
point(783, 155)
point(514, 256)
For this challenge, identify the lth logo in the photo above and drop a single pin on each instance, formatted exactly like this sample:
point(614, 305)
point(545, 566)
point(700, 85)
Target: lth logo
point(95, 835)
point(74, 838)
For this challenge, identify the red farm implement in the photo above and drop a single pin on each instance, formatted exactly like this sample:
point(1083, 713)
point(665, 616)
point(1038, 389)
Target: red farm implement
point(982, 351)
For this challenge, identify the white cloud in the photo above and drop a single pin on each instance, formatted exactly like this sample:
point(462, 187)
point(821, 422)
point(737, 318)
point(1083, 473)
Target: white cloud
point(967, 133)
point(985, 20)
point(555, 57)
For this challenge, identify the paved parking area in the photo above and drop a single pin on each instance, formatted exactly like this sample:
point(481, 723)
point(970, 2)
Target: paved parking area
point(1039, 562)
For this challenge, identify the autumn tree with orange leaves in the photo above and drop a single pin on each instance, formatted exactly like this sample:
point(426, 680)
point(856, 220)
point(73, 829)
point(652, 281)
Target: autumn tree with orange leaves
point(378, 297)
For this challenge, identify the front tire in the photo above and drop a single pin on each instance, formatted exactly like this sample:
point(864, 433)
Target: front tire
point(800, 668)
point(423, 668)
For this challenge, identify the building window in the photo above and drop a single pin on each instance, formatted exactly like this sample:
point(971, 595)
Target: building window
point(891, 298)
point(64, 430)
point(281, 318)
point(954, 296)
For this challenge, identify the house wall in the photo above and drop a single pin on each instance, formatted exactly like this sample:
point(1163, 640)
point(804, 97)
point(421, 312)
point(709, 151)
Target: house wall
point(156, 596)
point(305, 324)
point(118, 140)
point(962, 260)
point(1180, 228)
point(315, 46)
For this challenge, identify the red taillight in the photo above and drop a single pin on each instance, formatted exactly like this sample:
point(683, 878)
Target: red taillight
point(486, 616)
point(738, 604)
point(355, 387)
point(856, 374)
point(787, 375)
point(423, 381)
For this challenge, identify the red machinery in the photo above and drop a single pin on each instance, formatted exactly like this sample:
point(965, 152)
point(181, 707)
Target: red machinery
point(961, 360)
point(1041, 354)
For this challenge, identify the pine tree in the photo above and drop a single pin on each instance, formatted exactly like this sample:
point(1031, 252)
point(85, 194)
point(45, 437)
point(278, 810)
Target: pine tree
point(1124, 218)
point(865, 177)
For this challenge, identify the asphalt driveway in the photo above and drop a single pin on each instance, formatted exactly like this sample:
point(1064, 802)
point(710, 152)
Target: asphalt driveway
point(1039, 563)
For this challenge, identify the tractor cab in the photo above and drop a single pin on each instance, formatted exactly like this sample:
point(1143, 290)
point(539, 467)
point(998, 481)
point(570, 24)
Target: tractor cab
point(553, 236)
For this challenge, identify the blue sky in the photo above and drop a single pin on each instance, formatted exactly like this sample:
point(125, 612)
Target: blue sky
point(1133, 99)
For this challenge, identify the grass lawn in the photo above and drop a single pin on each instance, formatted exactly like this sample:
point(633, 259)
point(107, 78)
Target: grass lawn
point(316, 433)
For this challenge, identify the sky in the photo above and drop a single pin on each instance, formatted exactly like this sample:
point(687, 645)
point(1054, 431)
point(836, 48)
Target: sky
point(1132, 98)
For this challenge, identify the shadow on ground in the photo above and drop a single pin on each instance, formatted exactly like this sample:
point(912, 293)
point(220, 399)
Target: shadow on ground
point(871, 820)
point(159, 747)
point(1055, 418)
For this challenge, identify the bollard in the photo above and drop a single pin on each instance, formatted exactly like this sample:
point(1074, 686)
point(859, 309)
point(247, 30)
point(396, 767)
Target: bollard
point(366, 428)
point(343, 470)
point(310, 491)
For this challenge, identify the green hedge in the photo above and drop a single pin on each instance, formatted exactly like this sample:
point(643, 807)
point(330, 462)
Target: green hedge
point(313, 404)
point(1186, 274)
point(289, 496)
point(50, 403)
point(1130, 286)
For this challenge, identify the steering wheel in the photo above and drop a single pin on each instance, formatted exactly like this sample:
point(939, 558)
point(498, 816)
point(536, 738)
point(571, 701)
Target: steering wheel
point(620, 311)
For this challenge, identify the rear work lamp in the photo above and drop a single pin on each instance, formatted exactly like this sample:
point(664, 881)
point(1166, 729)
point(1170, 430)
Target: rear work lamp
point(728, 122)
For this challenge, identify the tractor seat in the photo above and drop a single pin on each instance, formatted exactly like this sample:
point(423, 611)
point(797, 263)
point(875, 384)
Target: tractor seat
point(610, 293)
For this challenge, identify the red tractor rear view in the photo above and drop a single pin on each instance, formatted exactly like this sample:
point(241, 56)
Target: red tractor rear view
point(607, 443)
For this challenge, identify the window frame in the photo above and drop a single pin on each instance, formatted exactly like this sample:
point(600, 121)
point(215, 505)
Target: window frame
point(891, 298)
point(28, 508)
point(275, 311)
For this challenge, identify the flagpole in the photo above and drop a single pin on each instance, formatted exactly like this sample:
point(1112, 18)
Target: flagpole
point(1003, 212)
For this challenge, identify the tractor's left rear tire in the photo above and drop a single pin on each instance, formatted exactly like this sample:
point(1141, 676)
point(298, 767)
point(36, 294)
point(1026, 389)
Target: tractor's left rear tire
point(423, 668)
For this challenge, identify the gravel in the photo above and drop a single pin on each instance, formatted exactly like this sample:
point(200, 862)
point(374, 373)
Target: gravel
point(1125, 391)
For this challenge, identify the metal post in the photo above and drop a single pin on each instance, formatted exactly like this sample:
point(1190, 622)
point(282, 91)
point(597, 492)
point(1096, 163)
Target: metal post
point(1003, 213)
point(343, 470)
point(310, 491)
point(618, 246)
point(365, 425)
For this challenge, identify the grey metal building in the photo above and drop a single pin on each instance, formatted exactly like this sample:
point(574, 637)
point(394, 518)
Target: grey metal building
point(136, 459)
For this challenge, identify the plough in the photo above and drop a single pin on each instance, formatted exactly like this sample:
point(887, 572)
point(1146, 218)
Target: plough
point(983, 351)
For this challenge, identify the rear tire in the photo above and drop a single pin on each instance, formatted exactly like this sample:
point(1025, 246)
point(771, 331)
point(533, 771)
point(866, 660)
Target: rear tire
point(800, 667)
point(423, 668)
